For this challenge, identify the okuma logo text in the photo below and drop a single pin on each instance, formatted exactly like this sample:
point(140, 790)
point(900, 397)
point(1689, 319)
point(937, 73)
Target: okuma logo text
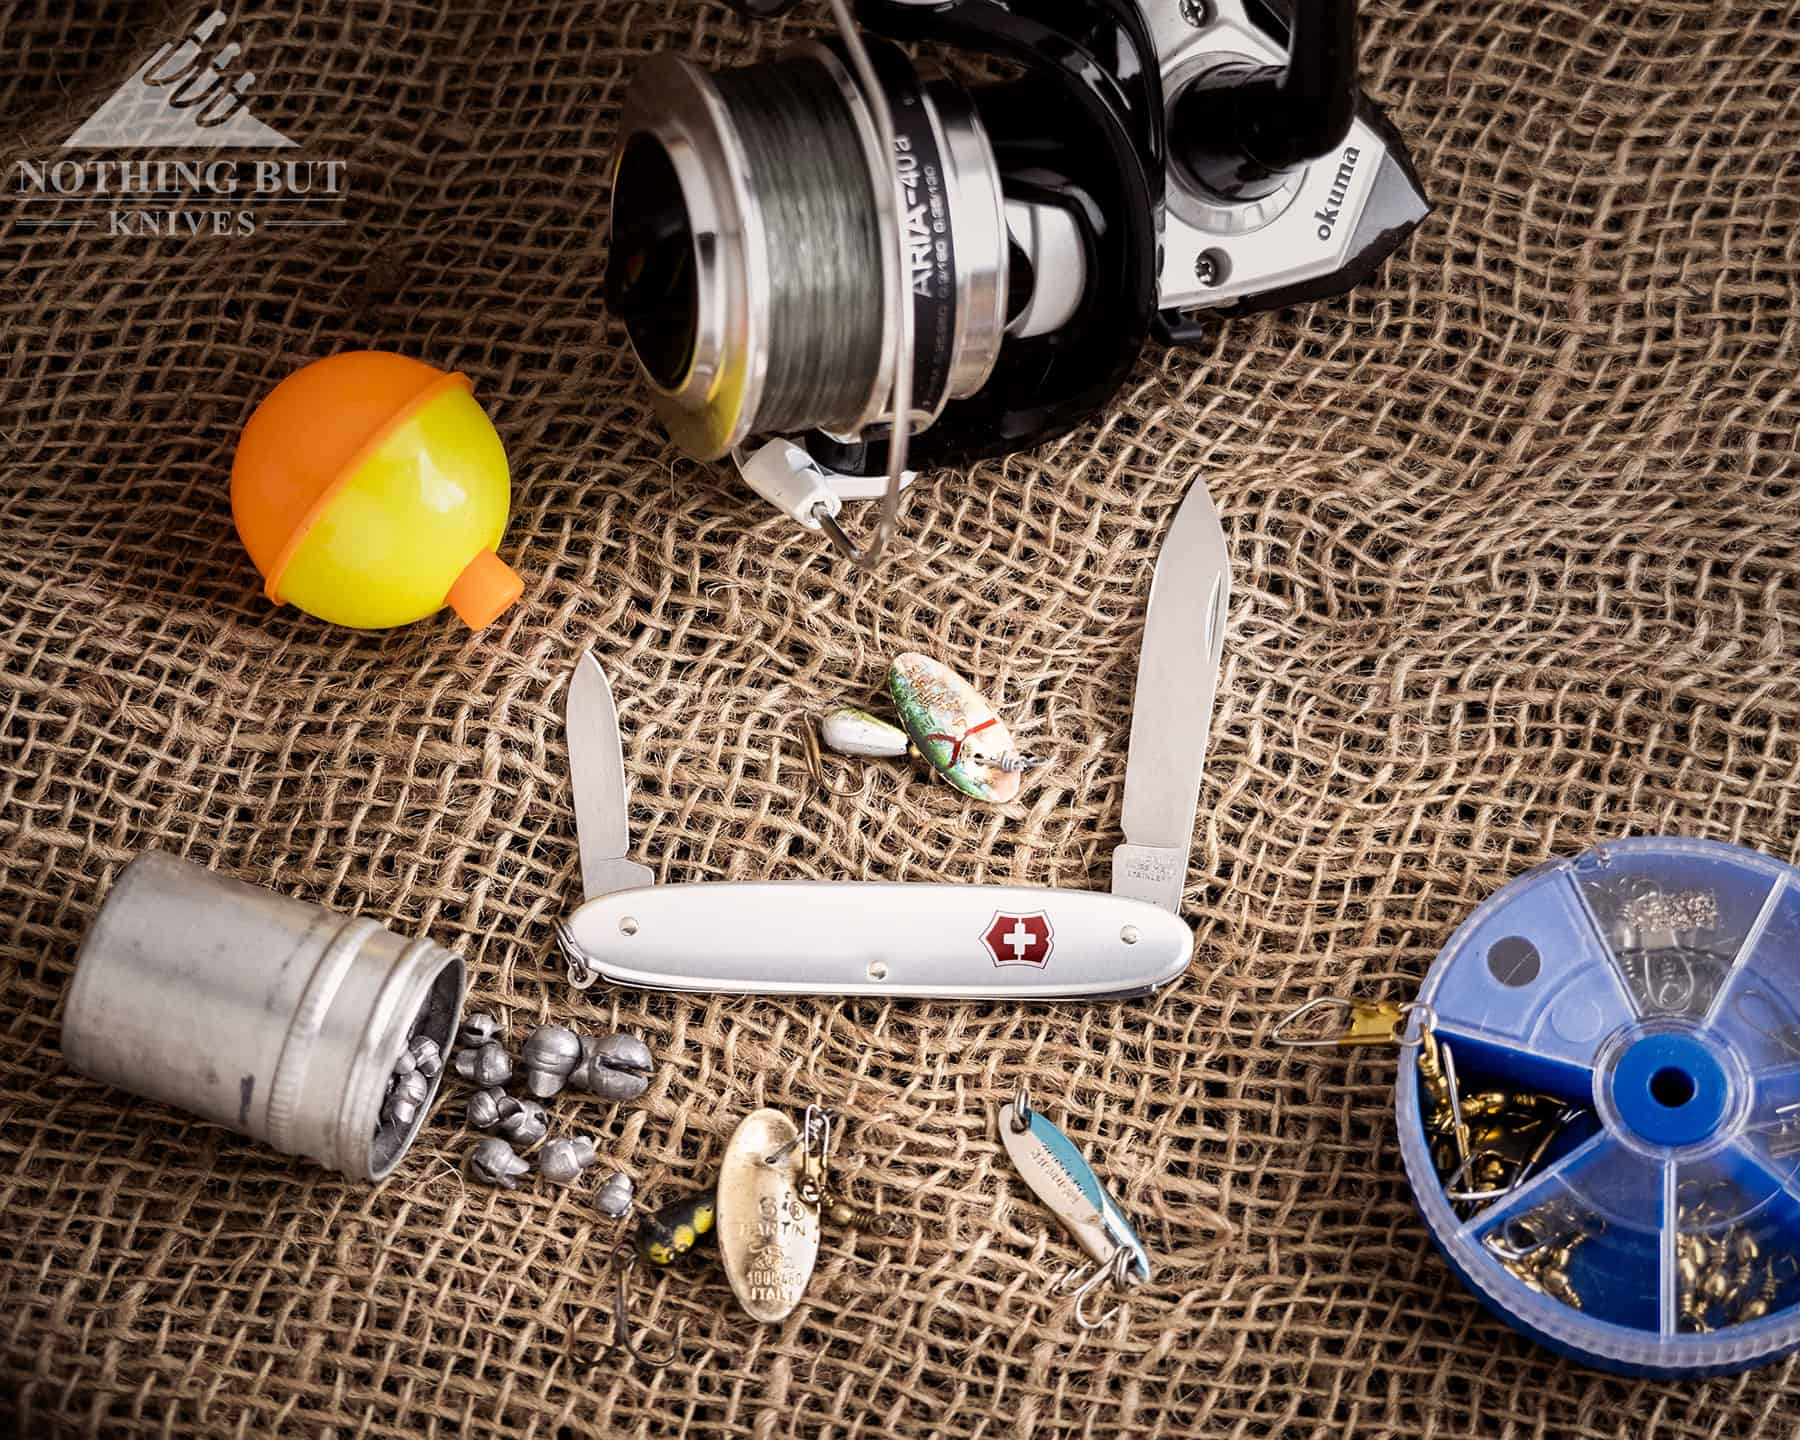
point(1327, 216)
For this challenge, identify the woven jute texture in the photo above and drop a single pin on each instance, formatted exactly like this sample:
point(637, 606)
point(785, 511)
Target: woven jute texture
point(1514, 538)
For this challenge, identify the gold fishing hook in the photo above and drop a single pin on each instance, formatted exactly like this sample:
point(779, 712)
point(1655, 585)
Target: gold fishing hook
point(815, 759)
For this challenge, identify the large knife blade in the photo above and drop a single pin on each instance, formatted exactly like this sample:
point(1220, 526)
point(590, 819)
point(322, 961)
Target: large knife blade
point(597, 774)
point(1171, 712)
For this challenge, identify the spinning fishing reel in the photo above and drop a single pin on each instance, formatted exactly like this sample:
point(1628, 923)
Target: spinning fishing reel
point(911, 271)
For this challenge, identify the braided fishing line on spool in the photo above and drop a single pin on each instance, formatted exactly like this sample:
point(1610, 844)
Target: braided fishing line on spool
point(806, 168)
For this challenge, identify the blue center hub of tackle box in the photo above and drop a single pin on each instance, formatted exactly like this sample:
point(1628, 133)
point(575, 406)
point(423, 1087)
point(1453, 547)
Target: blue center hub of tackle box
point(1646, 997)
point(1670, 1090)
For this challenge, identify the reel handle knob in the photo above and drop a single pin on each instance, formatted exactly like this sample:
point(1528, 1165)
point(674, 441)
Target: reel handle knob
point(1242, 130)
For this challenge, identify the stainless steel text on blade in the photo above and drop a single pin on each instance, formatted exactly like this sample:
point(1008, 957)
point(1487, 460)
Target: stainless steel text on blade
point(597, 773)
point(1171, 712)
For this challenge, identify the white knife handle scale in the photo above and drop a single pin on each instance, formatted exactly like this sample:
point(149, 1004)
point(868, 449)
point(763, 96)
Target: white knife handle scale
point(808, 937)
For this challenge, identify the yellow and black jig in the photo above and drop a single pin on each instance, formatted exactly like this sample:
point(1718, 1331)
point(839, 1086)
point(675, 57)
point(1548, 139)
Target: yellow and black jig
point(662, 1237)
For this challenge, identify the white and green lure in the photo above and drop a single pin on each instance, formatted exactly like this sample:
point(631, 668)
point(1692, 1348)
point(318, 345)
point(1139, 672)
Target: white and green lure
point(946, 720)
point(1049, 1163)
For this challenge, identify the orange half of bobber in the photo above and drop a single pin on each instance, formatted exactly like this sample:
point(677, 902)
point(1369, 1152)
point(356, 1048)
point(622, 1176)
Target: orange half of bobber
point(371, 490)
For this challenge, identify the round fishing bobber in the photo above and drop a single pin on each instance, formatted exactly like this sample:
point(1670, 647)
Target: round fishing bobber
point(371, 490)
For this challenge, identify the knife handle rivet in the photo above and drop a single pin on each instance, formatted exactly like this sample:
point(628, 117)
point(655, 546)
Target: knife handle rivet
point(1129, 934)
point(878, 970)
point(627, 925)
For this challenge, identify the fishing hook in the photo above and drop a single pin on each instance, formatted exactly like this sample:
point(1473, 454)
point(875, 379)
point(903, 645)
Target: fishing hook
point(625, 1259)
point(1117, 1270)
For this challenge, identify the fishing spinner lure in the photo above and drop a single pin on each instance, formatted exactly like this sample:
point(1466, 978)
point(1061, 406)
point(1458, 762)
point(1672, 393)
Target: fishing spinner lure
point(946, 720)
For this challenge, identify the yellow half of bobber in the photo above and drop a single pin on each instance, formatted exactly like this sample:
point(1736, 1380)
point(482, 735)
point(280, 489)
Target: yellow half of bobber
point(412, 526)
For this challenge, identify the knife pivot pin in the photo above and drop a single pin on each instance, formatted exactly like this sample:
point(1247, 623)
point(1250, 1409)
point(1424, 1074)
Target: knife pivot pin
point(579, 967)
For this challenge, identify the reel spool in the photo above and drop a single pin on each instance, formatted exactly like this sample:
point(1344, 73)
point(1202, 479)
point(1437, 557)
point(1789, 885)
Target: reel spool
point(1645, 995)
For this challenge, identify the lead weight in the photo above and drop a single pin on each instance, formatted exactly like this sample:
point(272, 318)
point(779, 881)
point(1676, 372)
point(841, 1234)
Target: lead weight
point(477, 1030)
point(487, 1066)
point(562, 1161)
point(614, 1197)
point(494, 1162)
point(550, 1056)
point(524, 1122)
point(487, 1108)
point(273, 1017)
point(615, 1068)
point(406, 1097)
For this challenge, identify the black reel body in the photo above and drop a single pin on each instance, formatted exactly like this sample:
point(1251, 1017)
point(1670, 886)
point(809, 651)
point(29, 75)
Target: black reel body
point(1143, 167)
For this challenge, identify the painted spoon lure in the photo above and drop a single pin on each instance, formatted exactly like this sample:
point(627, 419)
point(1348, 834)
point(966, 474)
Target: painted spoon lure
point(1049, 1163)
point(946, 720)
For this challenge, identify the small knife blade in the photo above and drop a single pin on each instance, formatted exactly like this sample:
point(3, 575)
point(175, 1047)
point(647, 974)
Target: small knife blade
point(1171, 713)
point(597, 774)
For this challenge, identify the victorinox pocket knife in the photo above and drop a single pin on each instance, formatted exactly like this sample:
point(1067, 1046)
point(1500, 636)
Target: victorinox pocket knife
point(922, 939)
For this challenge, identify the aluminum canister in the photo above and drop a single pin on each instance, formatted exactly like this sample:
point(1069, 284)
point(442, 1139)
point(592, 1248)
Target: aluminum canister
point(273, 1017)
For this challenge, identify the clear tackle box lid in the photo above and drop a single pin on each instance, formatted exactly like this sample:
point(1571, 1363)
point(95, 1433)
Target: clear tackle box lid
point(1624, 1032)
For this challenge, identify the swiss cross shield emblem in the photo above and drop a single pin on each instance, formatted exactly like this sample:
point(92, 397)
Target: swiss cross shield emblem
point(1019, 939)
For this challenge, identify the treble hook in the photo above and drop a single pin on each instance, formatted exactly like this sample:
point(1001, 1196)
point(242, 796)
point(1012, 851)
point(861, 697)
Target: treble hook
point(1117, 1270)
point(624, 1259)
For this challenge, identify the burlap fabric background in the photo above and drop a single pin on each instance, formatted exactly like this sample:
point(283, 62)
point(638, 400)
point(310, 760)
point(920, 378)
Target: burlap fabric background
point(1514, 535)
